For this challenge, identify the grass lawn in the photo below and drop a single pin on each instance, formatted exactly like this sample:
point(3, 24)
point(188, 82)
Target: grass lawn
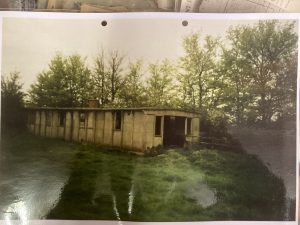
point(179, 185)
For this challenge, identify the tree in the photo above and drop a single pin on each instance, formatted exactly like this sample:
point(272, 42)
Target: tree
point(12, 102)
point(197, 66)
point(100, 79)
point(49, 88)
point(107, 77)
point(132, 93)
point(237, 90)
point(285, 92)
point(264, 52)
point(66, 83)
point(77, 81)
point(115, 80)
point(160, 87)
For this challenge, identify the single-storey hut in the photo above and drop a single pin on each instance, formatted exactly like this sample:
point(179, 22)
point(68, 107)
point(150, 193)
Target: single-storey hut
point(134, 129)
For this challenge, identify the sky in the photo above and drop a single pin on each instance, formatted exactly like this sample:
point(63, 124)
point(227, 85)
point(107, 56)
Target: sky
point(28, 44)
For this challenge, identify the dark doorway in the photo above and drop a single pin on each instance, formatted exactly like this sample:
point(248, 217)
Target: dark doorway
point(174, 131)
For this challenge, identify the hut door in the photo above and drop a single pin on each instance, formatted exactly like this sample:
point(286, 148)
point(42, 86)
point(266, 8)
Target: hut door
point(174, 129)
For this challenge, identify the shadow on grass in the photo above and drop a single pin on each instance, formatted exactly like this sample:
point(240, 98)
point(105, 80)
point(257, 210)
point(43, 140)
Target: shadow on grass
point(200, 185)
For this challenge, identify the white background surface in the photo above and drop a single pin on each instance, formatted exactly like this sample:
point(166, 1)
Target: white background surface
point(162, 16)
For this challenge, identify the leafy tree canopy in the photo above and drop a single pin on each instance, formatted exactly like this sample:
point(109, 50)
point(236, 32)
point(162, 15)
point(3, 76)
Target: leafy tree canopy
point(66, 83)
point(246, 78)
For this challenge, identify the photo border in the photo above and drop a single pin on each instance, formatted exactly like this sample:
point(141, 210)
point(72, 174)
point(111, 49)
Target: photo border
point(175, 16)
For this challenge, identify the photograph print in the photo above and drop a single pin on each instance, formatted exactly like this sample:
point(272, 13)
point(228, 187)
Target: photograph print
point(148, 119)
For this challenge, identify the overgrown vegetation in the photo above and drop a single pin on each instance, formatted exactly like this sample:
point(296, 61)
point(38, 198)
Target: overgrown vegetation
point(12, 103)
point(246, 78)
point(179, 185)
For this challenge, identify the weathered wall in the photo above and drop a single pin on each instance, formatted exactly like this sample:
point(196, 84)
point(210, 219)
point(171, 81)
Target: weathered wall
point(99, 129)
point(90, 127)
point(55, 124)
point(61, 132)
point(37, 123)
point(108, 128)
point(75, 122)
point(82, 128)
point(48, 128)
point(68, 126)
point(150, 140)
point(128, 129)
point(43, 124)
point(194, 136)
point(138, 134)
point(117, 134)
point(137, 127)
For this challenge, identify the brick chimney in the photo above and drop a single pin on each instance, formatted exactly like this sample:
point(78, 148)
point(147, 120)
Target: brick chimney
point(93, 103)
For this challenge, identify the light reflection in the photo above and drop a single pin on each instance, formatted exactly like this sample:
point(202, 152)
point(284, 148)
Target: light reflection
point(203, 195)
point(18, 209)
point(116, 209)
point(131, 198)
point(34, 198)
point(7, 218)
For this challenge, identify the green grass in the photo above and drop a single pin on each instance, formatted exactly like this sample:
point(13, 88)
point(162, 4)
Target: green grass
point(109, 185)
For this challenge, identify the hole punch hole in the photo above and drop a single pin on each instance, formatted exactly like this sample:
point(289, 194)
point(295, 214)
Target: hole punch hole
point(185, 23)
point(104, 23)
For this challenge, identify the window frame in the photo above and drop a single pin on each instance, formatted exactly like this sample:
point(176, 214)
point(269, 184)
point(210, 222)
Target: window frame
point(118, 114)
point(188, 126)
point(156, 127)
point(82, 120)
point(61, 117)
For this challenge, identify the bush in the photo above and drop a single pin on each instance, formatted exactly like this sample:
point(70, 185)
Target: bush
point(12, 104)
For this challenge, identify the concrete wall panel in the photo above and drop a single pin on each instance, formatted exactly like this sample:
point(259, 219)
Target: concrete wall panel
point(61, 132)
point(108, 127)
point(195, 129)
point(138, 131)
point(117, 138)
point(37, 123)
point(99, 129)
point(149, 123)
point(157, 141)
point(55, 124)
point(68, 126)
point(43, 124)
point(75, 133)
point(82, 134)
point(48, 131)
point(49, 126)
point(127, 134)
point(90, 127)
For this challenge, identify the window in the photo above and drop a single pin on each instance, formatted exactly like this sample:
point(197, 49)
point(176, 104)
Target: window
point(118, 120)
point(62, 119)
point(158, 125)
point(82, 120)
point(48, 119)
point(189, 126)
